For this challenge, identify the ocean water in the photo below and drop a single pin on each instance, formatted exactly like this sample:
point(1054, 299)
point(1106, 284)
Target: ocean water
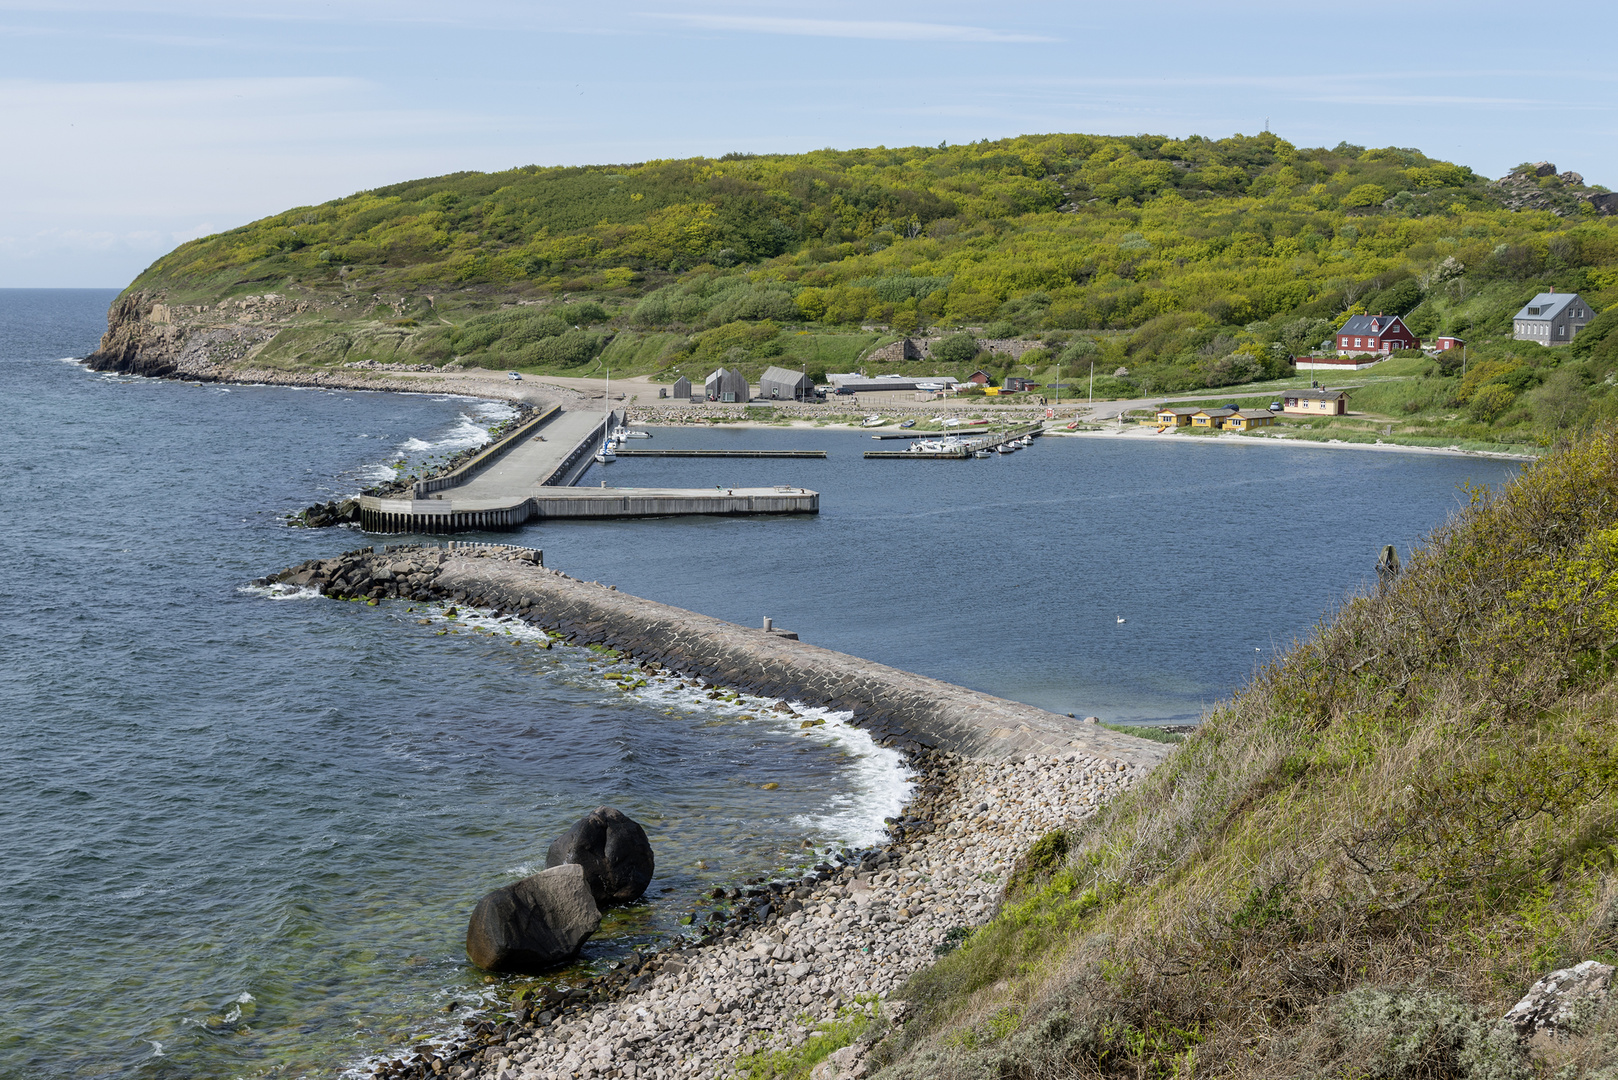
point(242, 832)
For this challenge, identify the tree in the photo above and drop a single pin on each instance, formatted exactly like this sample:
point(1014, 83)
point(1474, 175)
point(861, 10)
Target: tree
point(1561, 400)
point(1365, 195)
point(956, 349)
point(1490, 402)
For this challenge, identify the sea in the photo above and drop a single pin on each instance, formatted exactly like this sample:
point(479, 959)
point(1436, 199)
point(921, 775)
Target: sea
point(243, 829)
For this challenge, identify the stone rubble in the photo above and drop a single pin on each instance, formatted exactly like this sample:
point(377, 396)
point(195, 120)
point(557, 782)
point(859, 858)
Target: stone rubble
point(857, 934)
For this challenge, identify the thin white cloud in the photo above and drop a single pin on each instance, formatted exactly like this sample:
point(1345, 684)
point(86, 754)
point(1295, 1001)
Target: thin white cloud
point(868, 30)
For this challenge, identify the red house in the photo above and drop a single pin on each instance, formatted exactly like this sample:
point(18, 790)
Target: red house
point(1376, 334)
point(1445, 344)
point(980, 377)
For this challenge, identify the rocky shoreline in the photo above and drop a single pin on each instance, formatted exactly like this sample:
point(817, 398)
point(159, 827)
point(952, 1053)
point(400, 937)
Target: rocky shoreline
point(769, 962)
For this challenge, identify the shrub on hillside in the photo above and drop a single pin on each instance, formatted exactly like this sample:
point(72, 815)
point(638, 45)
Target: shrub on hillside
point(955, 349)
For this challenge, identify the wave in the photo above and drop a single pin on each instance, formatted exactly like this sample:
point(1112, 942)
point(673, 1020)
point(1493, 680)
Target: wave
point(278, 591)
point(879, 782)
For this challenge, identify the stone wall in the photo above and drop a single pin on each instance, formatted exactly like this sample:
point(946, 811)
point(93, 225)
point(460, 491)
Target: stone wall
point(909, 349)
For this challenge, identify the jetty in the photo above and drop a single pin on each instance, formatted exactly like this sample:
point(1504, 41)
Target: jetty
point(531, 474)
point(899, 708)
point(723, 453)
point(967, 448)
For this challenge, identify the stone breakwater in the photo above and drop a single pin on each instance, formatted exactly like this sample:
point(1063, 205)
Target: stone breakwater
point(770, 961)
point(899, 708)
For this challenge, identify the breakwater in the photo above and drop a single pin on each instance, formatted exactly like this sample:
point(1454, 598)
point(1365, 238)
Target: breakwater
point(899, 708)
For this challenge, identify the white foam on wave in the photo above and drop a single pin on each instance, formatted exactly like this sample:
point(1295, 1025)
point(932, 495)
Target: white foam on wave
point(278, 591)
point(878, 782)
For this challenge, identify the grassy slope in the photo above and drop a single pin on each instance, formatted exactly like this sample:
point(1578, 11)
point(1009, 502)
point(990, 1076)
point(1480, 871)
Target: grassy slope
point(1358, 862)
point(1190, 263)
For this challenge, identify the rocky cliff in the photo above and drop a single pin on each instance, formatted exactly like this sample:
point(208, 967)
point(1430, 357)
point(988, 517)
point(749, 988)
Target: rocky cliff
point(148, 336)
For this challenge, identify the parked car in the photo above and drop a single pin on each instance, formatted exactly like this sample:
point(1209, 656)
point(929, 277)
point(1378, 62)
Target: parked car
point(514, 376)
point(1275, 406)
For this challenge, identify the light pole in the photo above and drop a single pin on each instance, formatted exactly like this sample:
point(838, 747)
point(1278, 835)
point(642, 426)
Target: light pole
point(1092, 382)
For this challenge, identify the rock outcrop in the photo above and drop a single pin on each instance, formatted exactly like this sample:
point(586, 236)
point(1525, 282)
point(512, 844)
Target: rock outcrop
point(537, 923)
point(613, 852)
point(1560, 1001)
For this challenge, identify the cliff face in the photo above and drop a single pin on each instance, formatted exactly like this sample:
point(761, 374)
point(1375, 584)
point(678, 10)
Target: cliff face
point(134, 343)
point(147, 336)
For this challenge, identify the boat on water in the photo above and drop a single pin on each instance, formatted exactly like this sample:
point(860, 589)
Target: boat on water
point(609, 446)
point(1005, 448)
point(621, 433)
point(980, 452)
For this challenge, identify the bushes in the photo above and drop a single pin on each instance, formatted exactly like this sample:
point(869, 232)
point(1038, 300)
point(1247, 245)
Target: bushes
point(529, 338)
point(955, 349)
point(1360, 861)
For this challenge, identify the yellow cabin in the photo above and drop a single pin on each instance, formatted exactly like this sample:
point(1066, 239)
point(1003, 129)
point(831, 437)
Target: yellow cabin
point(1248, 419)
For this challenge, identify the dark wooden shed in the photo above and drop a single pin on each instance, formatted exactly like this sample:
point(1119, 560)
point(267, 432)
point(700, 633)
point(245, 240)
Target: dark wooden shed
point(681, 388)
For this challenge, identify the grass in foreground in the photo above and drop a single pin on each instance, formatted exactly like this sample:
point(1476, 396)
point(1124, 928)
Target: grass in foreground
point(1356, 865)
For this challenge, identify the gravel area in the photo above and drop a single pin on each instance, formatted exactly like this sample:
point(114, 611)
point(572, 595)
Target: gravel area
point(857, 932)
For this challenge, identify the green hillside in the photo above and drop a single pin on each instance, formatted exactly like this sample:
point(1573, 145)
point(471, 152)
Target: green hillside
point(1359, 863)
point(1192, 263)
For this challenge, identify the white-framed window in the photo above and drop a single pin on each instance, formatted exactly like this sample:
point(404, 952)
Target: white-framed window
point(1357, 343)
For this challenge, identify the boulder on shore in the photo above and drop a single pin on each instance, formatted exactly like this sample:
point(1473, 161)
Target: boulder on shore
point(539, 922)
point(613, 851)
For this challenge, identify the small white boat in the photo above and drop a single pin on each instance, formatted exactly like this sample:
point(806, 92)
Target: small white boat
point(606, 454)
point(621, 433)
point(871, 421)
point(981, 453)
point(952, 421)
point(1005, 448)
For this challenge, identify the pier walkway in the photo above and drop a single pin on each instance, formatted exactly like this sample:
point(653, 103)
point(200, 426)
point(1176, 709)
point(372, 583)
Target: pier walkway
point(530, 476)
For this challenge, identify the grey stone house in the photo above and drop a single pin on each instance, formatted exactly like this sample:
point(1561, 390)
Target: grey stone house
point(1551, 318)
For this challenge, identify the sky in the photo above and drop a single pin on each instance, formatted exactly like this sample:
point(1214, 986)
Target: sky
point(130, 127)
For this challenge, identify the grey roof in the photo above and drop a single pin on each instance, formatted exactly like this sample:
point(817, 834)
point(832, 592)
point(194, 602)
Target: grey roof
point(1252, 414)
point(775, 374)
point(1181, 412)
point(1372, 325)
point(1316, 395)
point(1220, 409)
point(1547, 305)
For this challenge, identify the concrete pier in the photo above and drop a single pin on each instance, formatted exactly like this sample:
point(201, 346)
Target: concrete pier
point(528, 476)
point(460, 515)
point(967, 448)
point(723, 453)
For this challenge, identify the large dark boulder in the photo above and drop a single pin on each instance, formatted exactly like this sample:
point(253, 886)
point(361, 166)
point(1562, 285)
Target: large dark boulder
point(535, 924)
point(612, 849)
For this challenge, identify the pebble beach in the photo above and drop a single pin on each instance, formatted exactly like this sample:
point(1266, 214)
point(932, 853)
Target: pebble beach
point(853, 934)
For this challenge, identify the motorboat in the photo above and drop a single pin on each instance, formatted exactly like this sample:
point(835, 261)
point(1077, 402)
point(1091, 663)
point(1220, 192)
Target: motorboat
point(982, 453)
point(908, 424)
point(621, 433)
point(872, 421)
point(1005, 448)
